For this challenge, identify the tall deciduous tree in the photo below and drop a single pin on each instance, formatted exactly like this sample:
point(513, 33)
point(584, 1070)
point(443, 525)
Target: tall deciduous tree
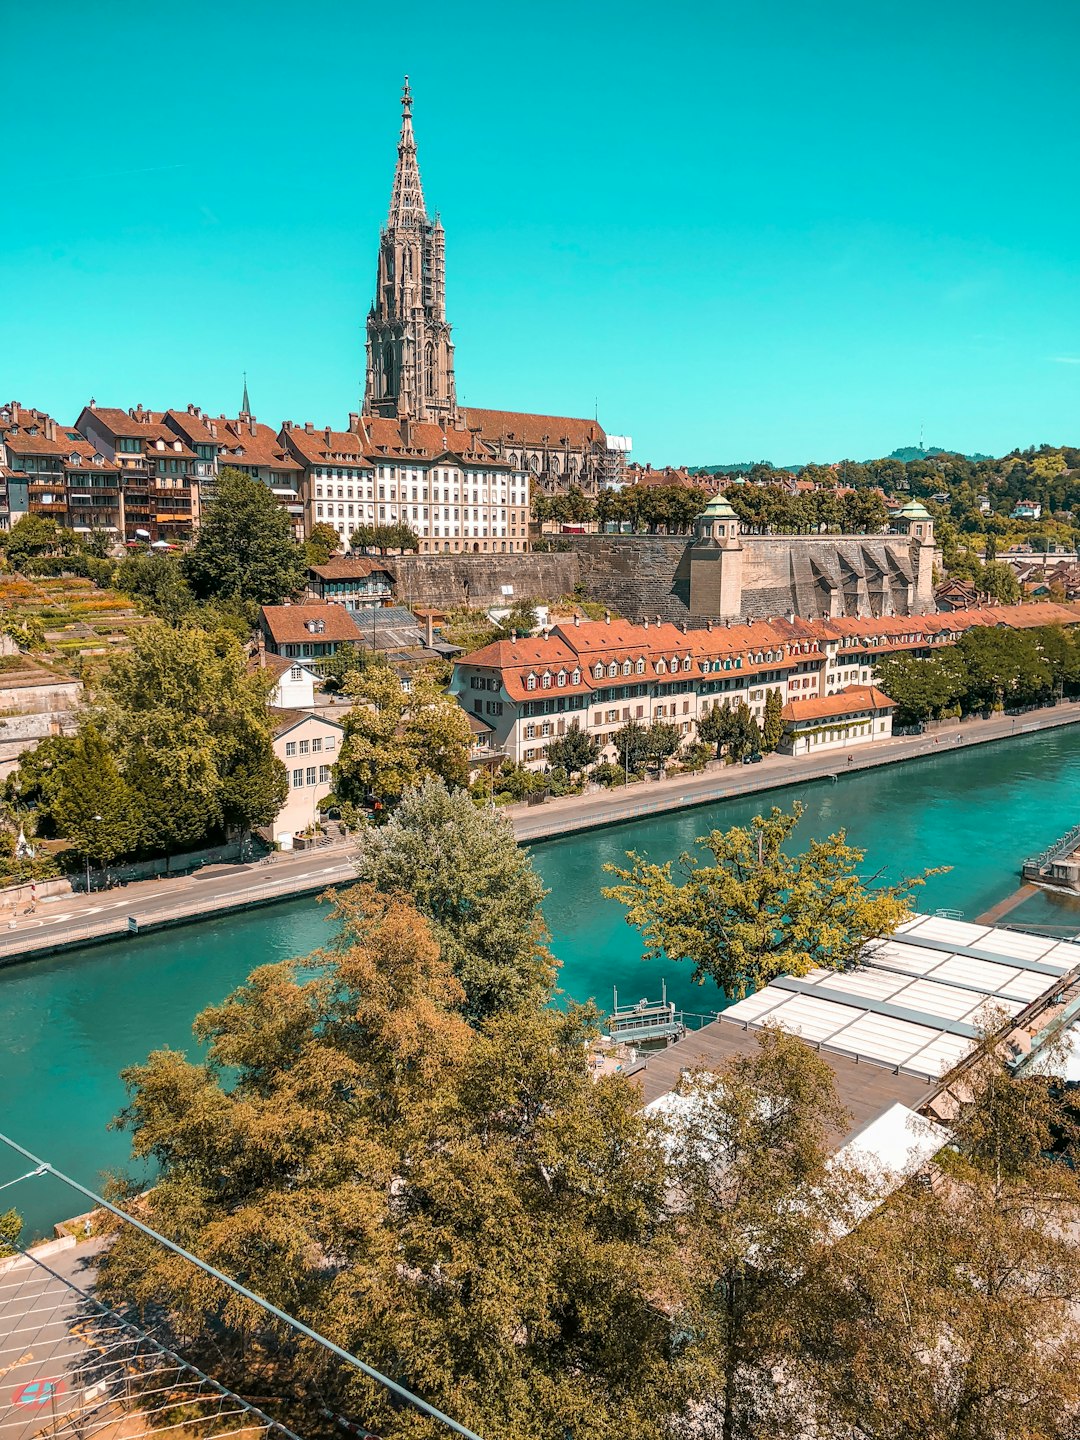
point(464, 1207)
point(758, 911)
point(575, 751)
point(772, 729)
point(758, 1206)
point(465, 872)
point(394, 737)
point(245, 549)
point(322, 542)
point(974, 1280)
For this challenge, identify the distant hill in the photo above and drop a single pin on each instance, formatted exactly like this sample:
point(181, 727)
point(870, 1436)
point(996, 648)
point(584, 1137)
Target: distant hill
point(904, 453)
point(913, 452)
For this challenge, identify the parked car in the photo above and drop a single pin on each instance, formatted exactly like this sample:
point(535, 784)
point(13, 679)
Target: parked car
point(754, 759)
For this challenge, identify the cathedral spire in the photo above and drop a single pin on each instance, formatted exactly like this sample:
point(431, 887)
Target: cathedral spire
point(245, 408)
point(407, 197)
point(410, 355)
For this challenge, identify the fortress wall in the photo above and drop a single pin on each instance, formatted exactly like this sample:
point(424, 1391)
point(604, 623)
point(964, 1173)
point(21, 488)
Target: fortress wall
point(439, 582)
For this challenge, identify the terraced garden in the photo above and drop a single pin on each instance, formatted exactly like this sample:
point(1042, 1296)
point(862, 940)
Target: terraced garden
point(80, 621)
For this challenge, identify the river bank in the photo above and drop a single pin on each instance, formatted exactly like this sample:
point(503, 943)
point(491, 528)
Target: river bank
point(73, 921)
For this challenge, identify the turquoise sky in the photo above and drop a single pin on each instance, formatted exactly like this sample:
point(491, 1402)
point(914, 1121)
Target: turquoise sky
point(781, 230)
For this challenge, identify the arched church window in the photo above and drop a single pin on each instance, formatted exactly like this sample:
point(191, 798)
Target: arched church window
point(388, 369)
point(429, 368)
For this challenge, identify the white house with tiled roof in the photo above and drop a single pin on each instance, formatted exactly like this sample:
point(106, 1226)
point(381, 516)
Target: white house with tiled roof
point(308, 745)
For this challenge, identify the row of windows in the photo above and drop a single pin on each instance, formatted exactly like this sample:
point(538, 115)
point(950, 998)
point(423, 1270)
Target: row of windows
point(300, 778)
point(308, 747)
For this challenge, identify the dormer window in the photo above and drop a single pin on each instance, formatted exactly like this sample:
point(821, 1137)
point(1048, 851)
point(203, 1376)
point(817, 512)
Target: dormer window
point(613, 669)
point(598, 671)
point(545, 683)
point(576, 677)
point(674, 663)
point(687, 662)
point(661, 667)
point(530, 682)
point(561, 677)
point(640, 667)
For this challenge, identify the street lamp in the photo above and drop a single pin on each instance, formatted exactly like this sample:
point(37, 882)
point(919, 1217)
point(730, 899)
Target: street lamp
point(96, 818)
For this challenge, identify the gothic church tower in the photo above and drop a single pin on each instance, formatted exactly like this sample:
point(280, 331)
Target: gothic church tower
point(410, 356)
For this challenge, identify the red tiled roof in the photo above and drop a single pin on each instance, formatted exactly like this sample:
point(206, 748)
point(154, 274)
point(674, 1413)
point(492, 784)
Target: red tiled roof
point(287, 624)
point(847, 702)
point(514, 427)
point(348, 567)
point(258, 443)
point(324, 447)
point(193, 426)
point(384, 438)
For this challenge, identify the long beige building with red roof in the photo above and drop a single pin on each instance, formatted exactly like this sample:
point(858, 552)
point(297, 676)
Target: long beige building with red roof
point(605, 673)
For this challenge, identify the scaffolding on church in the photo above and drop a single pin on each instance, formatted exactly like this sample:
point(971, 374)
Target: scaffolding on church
point(613, 465)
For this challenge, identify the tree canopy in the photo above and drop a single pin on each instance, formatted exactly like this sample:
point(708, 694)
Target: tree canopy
point(245, 548)
point(757, 911)
point(466, 874)
point(394, 737)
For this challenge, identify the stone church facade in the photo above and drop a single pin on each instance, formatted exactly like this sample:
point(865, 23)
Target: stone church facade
point(410, 353)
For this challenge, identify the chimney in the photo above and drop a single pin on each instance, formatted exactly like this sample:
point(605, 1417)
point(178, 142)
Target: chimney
point(327, 433)
point(577, 618)
point(354, 421)
point(658, 619)
point(309, 428)
point(607, 617)
point(684, 627)
point(430, 632)
point(708, 626)
point(646, 622)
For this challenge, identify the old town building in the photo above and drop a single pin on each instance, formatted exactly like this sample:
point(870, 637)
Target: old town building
point(53, 471)
point(608, 672)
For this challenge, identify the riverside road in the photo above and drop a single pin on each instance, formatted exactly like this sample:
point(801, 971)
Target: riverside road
point(67, 920)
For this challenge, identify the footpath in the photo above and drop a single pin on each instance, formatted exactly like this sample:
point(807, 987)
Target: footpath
point(64, 921)
point(722, 782)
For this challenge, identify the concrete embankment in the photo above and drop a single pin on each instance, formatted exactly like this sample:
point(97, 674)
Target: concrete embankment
point(604, 807)
point(71, 921)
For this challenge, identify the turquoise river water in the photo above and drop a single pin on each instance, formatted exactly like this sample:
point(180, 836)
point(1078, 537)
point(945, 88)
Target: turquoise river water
point(70, 1023)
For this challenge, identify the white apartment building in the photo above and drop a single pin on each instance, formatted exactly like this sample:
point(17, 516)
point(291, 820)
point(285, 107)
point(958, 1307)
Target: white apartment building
point(444, 484)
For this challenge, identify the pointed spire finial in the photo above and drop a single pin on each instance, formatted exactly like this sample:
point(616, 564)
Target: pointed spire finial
point(245, 408)
point(406, 98)
point(407, 197)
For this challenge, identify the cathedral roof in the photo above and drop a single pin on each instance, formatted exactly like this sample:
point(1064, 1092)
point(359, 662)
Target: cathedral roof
point(512, 426)
point(382, 439)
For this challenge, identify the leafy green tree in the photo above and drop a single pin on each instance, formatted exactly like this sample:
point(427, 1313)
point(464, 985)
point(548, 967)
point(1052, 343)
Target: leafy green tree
point(395, 738)
point(10, 1230)
point(759, 1205)
point(772, 729)
point(158, 583)
point(95, 808)
point(923, 687)
point(31, 535)
point(662, 740)
point(322, 542)
point(384, 538)
point(245, 548)
point(466, 874)
point(631, 745)
point(575, 751)
point(346, 660)
point(1002, 667)
point(758, 911)
point(525, 1197)
point(37, 781)
point(999, 581)
point(733, 727)
point(973, 1277)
